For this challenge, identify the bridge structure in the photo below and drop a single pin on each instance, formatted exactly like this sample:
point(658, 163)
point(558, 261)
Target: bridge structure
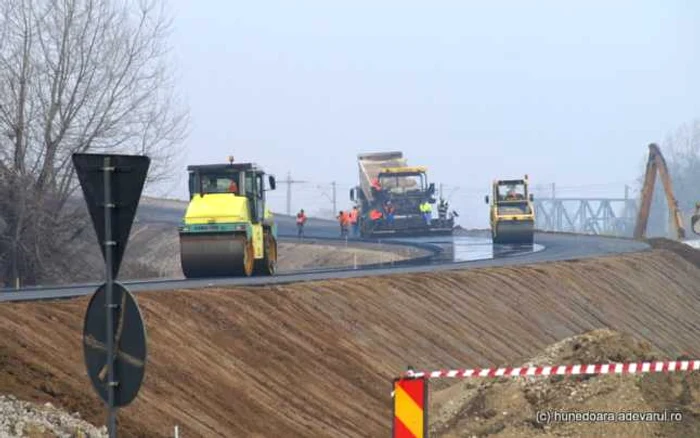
point(603, 216)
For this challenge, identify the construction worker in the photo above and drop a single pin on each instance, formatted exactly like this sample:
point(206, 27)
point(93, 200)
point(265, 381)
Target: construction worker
point(354, 216)
point(233, 187)
point(301, 220)
point(511, 196)
point(376, 188)
point(343, 221)
point(390, 211)
point(442, 209)
point(427, 211)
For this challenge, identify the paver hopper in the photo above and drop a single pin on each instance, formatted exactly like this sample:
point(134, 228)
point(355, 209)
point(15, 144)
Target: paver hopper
point(386, 179)
point(227, 230)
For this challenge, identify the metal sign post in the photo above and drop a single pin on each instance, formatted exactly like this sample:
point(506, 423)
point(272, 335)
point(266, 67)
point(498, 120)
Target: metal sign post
point(109, 303)
point(115, 354)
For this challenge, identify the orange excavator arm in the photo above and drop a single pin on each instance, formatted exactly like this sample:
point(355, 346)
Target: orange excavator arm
point(657, 162)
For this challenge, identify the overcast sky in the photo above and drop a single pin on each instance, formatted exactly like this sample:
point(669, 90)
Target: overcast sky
point(567, 92)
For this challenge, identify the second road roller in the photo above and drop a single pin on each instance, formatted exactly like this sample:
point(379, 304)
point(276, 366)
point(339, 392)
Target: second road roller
point(512, 214)
point(227, 229)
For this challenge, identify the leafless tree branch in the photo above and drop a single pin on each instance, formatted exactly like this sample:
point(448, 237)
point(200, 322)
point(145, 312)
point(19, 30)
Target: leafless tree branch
point(77, 76)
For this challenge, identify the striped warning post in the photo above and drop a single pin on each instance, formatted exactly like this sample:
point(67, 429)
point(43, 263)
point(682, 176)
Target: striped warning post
point(410, 408)
point(612, 368)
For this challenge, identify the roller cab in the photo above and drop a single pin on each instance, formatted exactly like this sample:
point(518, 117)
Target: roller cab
point(512, 215)
point(227, 229)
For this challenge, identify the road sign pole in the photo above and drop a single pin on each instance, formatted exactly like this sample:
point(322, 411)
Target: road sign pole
point(109, 302)
point(117, 381)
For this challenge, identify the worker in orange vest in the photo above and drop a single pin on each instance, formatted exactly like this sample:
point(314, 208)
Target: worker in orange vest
point(301, 220)
point(375, 215)
point(376, 188)
point(354, 221)
point(233, 187)
point(344, 221)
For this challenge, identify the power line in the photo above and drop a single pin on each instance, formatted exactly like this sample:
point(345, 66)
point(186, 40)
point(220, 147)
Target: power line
point(289, 181)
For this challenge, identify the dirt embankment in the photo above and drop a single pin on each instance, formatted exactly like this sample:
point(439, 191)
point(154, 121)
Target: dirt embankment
point(317, 359)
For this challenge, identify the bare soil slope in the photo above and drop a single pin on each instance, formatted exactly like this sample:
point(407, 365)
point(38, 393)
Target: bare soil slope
point(317, 359)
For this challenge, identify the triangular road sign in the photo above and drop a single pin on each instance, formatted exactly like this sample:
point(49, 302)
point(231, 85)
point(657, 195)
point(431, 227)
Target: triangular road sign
point(126, 183)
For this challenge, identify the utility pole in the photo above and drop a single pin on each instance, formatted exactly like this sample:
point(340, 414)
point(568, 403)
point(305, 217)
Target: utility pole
point(289, 181)
point(553, 191)
point(441, 190)
point(335, 205)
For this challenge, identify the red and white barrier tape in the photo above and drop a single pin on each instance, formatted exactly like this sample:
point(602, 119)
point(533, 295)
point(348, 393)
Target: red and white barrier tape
point(561, 370)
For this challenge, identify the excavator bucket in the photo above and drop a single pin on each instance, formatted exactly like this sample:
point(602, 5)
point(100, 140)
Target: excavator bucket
point(695, 220)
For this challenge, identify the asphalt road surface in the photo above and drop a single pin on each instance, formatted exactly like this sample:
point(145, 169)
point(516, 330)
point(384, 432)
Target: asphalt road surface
point(552, 247)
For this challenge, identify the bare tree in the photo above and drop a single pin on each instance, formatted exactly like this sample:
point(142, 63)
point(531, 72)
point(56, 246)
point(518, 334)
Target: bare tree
point(76, 76)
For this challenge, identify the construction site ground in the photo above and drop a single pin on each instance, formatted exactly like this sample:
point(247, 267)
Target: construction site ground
point(317, 359)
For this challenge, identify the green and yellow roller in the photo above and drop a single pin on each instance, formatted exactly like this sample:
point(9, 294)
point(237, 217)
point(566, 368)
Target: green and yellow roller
point(227, 229)
point(512, 215)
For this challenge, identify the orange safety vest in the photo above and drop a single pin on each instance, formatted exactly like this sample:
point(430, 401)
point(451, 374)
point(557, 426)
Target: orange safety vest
point(301, 218)
point(343, 218)
point(375, 184)
point(353, 217)
point(375, 214)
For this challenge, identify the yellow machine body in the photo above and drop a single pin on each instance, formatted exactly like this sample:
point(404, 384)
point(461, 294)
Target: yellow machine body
point(226, 209)
point(228, 232)
point(511, 212)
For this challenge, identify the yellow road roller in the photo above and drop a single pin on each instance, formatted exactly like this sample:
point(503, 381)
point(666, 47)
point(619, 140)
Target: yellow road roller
point(512, 214)
point(227, 230)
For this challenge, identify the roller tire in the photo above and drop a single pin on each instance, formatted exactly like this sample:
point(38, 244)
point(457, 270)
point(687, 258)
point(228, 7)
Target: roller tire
point(268, 265)
point(248, 265)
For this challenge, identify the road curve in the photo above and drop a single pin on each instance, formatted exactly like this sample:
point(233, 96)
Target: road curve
point(558, 247)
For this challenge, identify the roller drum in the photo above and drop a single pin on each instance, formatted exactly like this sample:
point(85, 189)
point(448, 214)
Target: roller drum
point(514, 232)
point(214, 255)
